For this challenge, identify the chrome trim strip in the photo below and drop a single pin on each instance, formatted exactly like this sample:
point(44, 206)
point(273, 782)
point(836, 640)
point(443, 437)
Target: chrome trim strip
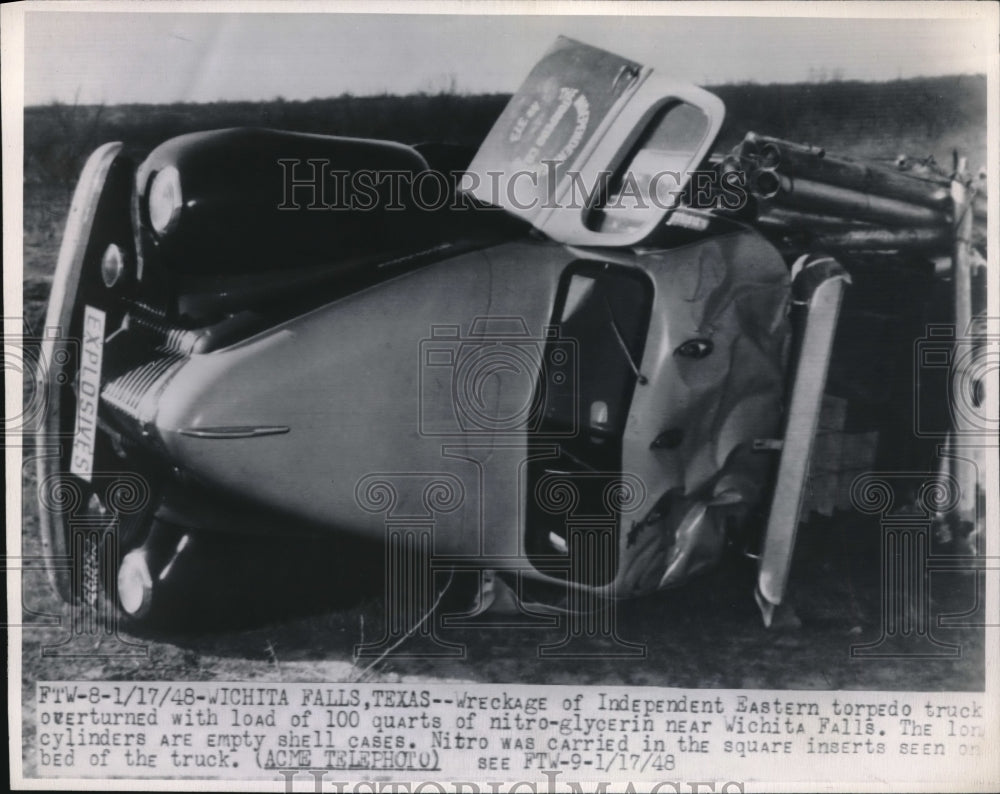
point(234, 432)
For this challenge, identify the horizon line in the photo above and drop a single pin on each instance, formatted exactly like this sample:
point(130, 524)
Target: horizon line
point(471, 94)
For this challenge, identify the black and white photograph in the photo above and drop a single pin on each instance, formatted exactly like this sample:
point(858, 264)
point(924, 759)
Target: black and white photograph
point(501, 397)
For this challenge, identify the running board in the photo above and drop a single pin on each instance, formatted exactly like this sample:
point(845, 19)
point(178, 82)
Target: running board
point(818, 285)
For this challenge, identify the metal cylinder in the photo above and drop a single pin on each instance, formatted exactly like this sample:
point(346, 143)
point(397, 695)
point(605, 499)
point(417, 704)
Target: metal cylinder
point(818, 197)
point(813, 164)
point(925, 240)
point(774, 217)
point(762, 146)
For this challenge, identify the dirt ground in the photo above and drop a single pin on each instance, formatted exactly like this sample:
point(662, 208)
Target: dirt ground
point(707, 633)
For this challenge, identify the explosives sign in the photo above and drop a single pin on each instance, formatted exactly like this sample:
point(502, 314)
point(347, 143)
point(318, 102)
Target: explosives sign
point(89, 393)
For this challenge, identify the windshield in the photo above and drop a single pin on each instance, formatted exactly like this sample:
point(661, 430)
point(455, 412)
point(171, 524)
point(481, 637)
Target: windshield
point(653, 174)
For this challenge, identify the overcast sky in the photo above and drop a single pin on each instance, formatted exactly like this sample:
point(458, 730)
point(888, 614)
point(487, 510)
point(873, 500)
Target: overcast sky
point(170, 57)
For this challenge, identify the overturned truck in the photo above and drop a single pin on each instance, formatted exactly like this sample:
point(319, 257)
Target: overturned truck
point(580, 371)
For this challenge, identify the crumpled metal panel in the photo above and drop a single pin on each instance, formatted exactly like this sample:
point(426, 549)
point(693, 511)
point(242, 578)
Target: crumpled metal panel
point(731, 294)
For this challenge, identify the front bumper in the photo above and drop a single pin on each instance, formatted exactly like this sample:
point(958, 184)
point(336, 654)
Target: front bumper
point(62, 494)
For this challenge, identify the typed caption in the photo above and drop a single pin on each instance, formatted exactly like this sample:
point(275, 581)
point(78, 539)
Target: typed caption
point(91, 729)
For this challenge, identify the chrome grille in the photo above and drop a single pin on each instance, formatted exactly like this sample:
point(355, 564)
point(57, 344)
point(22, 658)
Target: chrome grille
point(135, 393)
point(169, 339)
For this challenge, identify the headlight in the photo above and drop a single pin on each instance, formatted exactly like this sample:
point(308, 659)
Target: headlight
point(135, 584)
point(112, 265)
point(165, 200)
